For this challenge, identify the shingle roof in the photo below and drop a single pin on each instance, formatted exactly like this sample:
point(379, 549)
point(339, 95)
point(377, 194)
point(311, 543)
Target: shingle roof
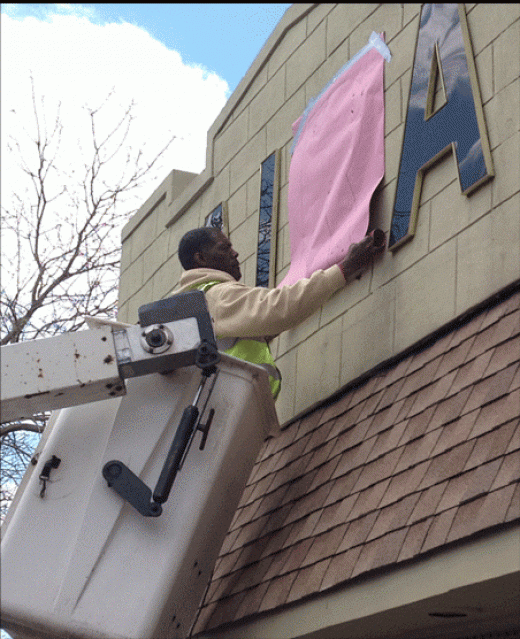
point(421, 454)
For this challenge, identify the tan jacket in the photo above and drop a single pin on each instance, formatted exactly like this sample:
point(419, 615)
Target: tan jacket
point(245, 311)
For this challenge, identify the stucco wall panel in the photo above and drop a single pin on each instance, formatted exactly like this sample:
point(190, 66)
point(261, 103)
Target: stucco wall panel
point(381, 204)
point(157, 253)
point(126, 256)
point(393, 107)
point(342, 21)
point(245, 240)
point(488, 254)
point(283, 256)
point(212, 197)
point(393, 144)
point(146, 235)
point(184, 224)
point(306, 59)
point(291, 339)
point(318, 14)
point(269, 100)
point(247, 161)
point(278, 128)
point(322, 75)
point(386, 18)
point(261, 77)
point(134, 278)
point(229, 142)
point(394, 265)
point(503, 109)
point(425, 303)
point(133, 304)
point(486, 22)
point(285, 403)
point(291, 41)
point(253, 197)
point(347, 298)
point(439, 177)
point(410, 11)
point(237, 207)
point(484, 67)
point(402, 48)
point(470, 209)
point(506, 57)
point(368, 333)
point(507, 183)
point(445, 215)
point(248, 268)
point(318, 363)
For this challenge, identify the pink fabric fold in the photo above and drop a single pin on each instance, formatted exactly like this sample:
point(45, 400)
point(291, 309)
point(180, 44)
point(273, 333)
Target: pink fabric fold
point(337, 163)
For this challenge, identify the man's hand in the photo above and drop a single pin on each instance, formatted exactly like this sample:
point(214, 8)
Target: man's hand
point(359, 256)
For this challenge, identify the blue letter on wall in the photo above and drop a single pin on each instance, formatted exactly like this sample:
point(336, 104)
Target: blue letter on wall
point(458, 125)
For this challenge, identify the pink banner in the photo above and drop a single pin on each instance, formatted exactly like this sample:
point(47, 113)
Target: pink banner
point(337, 163)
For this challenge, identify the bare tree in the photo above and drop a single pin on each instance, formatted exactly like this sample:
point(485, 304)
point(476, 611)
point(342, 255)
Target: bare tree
point(61, 241)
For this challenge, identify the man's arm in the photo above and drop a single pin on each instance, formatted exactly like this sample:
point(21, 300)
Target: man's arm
point(242, 311)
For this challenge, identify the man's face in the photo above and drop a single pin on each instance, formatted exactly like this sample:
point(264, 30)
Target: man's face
point(220, 256)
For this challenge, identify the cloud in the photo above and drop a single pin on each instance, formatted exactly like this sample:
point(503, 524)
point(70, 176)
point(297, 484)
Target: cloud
point(10, 8)
point(45, 11)
point(73, 9)
point(76, 61)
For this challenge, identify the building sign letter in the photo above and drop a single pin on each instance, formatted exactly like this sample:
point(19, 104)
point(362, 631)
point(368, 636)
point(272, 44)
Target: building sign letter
point(443, 58)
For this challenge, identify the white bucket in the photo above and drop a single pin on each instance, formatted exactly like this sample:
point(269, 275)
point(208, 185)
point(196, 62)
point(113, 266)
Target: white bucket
point(82, 563)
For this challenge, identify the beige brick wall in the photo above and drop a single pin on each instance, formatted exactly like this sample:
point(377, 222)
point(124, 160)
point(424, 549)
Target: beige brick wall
point(465, 248)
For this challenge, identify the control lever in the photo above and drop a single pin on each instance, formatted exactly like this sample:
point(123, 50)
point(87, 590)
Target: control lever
point(132, 489)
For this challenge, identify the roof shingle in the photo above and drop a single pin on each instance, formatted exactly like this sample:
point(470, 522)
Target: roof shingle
point(424, 453)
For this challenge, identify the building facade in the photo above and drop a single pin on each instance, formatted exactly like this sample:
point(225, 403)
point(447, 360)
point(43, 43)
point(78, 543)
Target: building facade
point(390, 504)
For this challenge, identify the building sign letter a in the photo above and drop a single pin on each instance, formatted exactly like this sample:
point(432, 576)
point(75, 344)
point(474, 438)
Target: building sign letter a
point(443, 64)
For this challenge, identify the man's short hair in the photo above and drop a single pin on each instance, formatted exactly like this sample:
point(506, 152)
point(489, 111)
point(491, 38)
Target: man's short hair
point(192, 242)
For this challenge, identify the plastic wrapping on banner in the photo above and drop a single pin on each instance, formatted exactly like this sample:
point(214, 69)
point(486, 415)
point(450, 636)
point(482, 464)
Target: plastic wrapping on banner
point(337, 163)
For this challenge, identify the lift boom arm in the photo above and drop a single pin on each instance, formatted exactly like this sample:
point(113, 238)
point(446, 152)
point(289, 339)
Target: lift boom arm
point(86, 366)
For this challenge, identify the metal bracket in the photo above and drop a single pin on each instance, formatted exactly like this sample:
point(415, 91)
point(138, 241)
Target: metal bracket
point(207, 357)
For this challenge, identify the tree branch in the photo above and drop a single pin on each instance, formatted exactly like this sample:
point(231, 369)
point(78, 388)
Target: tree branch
point(62, 238)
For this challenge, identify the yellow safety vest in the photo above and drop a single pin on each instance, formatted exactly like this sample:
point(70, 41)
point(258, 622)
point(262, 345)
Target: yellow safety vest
point(254, 350)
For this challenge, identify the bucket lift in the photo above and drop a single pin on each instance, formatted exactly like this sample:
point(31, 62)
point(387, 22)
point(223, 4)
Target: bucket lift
point(89, 548)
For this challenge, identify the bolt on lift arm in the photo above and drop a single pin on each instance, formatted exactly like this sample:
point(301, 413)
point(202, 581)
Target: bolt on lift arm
point(86, 366)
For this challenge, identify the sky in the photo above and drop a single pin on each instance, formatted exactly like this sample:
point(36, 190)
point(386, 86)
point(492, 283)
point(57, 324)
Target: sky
point(179, 63)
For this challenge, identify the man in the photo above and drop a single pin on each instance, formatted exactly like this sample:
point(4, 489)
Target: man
point(247, 318)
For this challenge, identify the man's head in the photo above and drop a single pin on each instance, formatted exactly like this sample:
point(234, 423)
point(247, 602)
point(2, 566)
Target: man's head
point(208, 247)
